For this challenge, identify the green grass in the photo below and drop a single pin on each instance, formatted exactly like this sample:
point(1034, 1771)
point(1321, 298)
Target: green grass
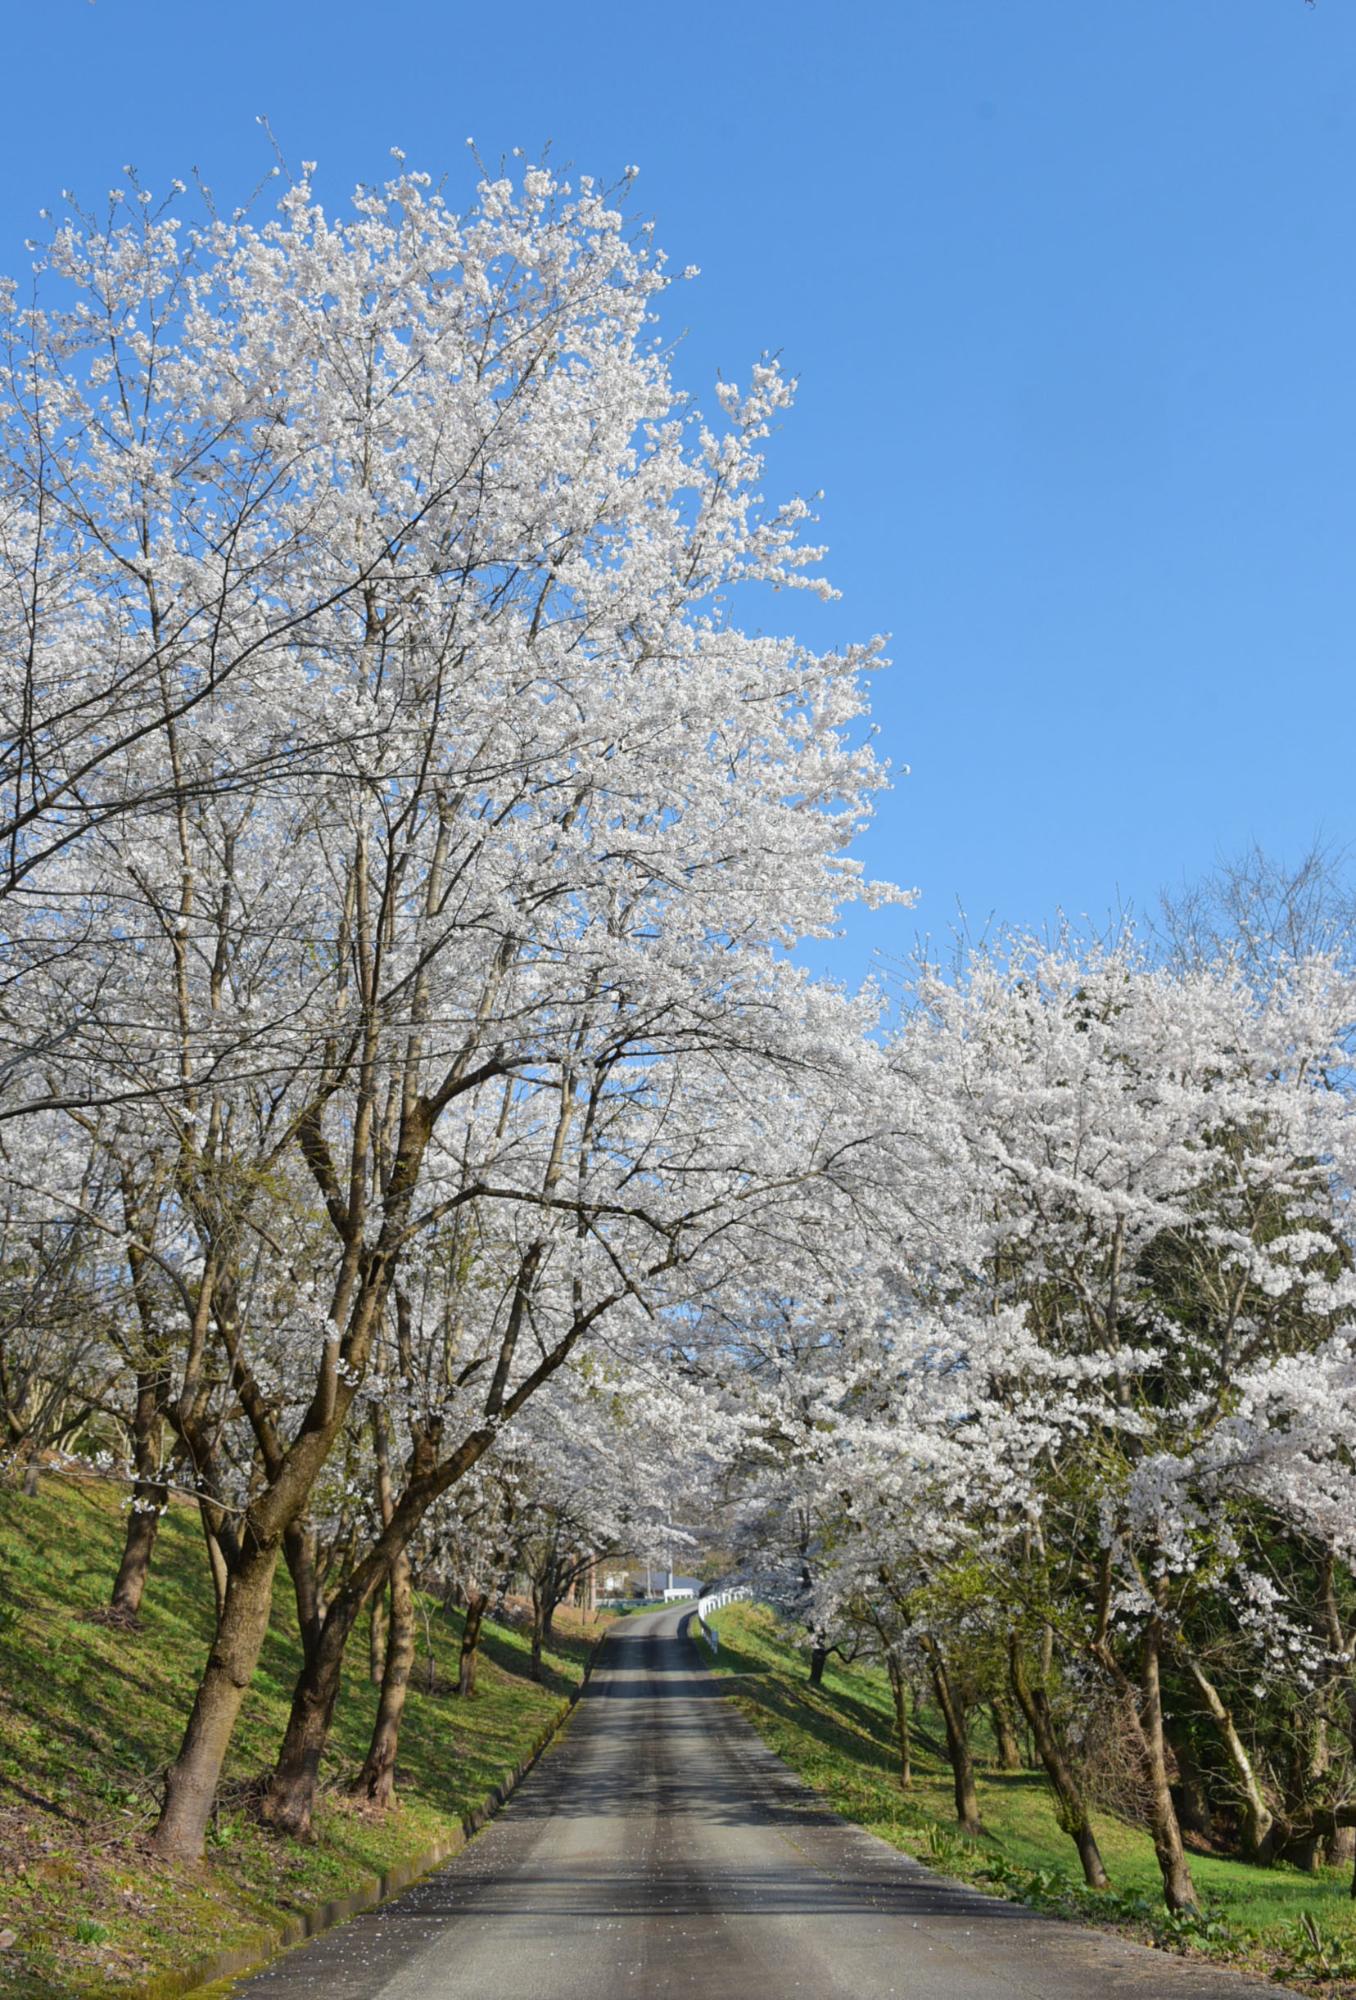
point(89, 1718)
point(840, 1738)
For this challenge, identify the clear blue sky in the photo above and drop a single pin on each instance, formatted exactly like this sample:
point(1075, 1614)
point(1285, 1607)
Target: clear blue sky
point(1070, 288)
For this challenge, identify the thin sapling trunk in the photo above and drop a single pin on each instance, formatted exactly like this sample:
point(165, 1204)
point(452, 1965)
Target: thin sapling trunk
point(957, 1741)
point(1071, 1808)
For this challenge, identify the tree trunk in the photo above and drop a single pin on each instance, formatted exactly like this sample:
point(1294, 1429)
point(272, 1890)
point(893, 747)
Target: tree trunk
point(538, 1628)
point(957, 1742)
point(1194, 1811)
point(216, 1562)
point(1301, 1844)
point(191, 1782)
point(218, 1529)
point(1305, 1852)
point(1071, 1808)
point(149, 1497)
point(1179, 1892)
point(1005, 1735)
point(143, 1524)
point(901, 1698)
point(1258, 1819)
point(1341, 1844)
point(378, 1773)
point(819, 1659)
point(376, 1641)
point(290, 1799)
point(246, 1602)
point(477, 1603)
point(299, 1553)
point(358, 1300)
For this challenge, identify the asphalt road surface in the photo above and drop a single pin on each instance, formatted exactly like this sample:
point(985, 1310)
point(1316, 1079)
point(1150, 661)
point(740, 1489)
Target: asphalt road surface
point(659, 1848)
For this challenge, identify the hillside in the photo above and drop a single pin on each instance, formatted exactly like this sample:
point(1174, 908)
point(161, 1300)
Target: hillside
point(89, 1717)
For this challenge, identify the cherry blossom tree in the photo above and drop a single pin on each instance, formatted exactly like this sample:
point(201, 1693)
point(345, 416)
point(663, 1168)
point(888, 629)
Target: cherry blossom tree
point(442, 857)
point(1078, 1440)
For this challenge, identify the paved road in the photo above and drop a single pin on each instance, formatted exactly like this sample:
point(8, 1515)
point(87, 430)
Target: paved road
point(661, 1849)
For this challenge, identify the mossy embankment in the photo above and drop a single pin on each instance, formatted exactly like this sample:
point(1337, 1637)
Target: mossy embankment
point(840, 1737)
point(90, 1715)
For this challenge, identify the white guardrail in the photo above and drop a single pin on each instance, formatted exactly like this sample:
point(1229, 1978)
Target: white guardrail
point(713, 1601)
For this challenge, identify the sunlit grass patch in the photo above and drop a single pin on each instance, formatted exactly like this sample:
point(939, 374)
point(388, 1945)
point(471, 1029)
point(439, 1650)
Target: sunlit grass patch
point(90, 1716)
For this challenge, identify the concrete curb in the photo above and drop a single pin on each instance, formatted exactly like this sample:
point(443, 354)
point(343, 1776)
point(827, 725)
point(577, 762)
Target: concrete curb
point(266, 1945)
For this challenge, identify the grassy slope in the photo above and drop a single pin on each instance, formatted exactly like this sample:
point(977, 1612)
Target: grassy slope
point(89, 1718)
point(841, 1739)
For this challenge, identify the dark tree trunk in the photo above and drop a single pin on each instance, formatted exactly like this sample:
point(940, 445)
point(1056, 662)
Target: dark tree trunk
point(378, 1619)
point(957, 1742)
point(1305, 1852)
point(901, 1699)
point(538, 1631)
point(819, 1659)
point(477, 1603)
point(1005, 1735)
point(150, 1494)
point(290, 1799)
point(299, 1553)
point(378, 1773)
point(1308, 1761)
point(1071, 1808)
point(548, 1588)
point(1193, 1796)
